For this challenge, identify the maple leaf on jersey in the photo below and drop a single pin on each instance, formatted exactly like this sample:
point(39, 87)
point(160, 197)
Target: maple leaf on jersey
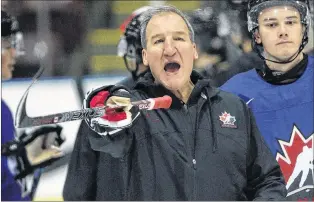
point(291, 151)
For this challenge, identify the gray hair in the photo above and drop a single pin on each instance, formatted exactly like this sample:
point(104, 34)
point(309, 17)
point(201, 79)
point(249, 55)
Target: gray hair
point(150, 13)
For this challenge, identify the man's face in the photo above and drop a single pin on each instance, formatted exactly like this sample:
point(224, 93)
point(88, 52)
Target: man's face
point(7, 59)
point(170, 52)
point(280, 32)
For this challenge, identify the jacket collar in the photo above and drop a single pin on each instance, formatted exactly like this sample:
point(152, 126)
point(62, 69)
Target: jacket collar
point(146, 84)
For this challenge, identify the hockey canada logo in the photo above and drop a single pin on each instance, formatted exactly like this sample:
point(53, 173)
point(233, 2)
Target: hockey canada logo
point(227, 120)
point(296, 164)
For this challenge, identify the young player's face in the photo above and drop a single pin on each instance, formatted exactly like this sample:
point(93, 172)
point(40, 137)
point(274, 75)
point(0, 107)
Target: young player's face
point(280, 32)
point(7, 59)
point(170, 53)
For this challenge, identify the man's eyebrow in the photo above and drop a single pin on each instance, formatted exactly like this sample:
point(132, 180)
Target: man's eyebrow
point(269, 19)
point(292, 17)
point(180, 32)
point(175, 32)
point(273, 19)
point(156, 36)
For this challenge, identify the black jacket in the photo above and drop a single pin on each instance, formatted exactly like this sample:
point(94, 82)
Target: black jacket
point(80, 184)
point(184, 153)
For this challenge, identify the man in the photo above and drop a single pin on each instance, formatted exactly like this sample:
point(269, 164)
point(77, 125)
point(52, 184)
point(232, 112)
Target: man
point(205, 147)
point(110, 187)
point(35, 148)
point(281, 93)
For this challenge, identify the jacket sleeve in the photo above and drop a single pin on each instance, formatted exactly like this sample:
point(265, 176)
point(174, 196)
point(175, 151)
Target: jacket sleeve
point(117, 145)
point(80, 183)
point(265, 179)
point(115, 141)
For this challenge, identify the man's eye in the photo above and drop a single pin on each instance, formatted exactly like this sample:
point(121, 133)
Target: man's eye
point(178, 39)
point(158, 41)
point(271, 25)
point(291, 22)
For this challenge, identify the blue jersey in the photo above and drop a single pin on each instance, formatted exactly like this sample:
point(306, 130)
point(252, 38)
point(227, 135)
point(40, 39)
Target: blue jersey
point(10, 189)
point(284, 115)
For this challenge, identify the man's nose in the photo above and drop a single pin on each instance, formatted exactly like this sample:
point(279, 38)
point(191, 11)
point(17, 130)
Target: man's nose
point(169, 48)
point(283, 32)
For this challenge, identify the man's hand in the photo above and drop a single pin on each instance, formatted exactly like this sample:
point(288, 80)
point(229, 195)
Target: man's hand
point(43, 148)
point(119, 111)
point(35, 148)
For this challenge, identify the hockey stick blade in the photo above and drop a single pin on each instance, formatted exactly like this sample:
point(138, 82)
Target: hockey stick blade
point(21, 108)
point(26, 121)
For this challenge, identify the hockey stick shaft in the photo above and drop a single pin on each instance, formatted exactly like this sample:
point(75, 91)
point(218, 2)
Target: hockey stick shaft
point(88, 113)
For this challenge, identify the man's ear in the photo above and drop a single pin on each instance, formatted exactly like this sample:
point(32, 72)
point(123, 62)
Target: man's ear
point(257, 37)
point(144, 57)
point(195, 51)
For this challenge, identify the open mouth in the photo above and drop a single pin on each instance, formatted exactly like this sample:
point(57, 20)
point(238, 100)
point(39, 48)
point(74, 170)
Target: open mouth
point(172, 67)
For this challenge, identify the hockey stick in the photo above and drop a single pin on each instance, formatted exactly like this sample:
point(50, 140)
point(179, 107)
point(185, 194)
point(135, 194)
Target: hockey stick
point(22, 120)
point(26, 121)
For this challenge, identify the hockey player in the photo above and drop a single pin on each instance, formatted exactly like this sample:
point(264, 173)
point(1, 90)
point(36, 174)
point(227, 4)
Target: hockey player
point(112, 188)
point(205, 147)
point(35, 148)
point(281, 93)
point(130, 47)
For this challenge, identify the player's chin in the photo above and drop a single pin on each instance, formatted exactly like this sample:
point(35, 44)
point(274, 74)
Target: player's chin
point(284, 56)
point(286, 52)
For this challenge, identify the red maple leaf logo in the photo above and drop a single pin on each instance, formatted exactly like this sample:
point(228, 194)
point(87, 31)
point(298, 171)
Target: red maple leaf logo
point(224, 116)
point(291, 150)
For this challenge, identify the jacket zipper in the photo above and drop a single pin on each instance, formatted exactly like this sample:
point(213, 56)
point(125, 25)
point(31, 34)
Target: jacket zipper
point(194, 155)
point(198, 110)
point(193, 195)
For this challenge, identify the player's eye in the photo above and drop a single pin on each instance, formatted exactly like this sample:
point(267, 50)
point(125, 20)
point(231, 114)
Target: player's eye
point(291, 22)
point(272, 25)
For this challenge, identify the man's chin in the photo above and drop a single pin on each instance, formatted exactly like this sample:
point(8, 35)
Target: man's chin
point(172, 86)
point(285, 55)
